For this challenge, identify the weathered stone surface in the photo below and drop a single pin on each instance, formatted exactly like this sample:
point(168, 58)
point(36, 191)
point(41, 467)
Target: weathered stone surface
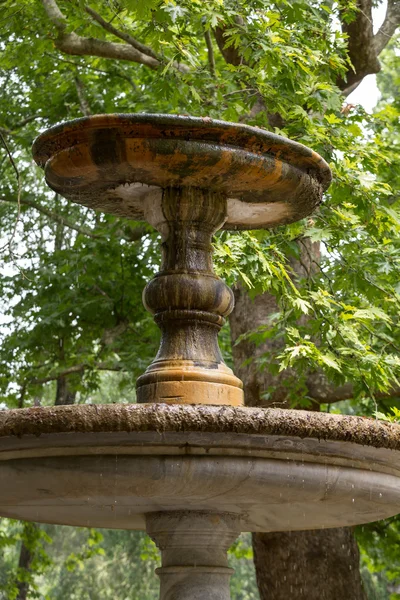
point(224, 419)
point(189, 303)
point(109, 466)
point(117, 163)
point(194, 549)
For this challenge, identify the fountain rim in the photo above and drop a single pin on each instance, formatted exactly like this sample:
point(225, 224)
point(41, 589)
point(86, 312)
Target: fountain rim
point(49, 143)
point(163, 418)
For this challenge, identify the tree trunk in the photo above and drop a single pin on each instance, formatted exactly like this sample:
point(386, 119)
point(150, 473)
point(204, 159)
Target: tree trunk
point(24, 564)
point(25, 559)
point(261, 387)
point(308, 565)
point(64, 394)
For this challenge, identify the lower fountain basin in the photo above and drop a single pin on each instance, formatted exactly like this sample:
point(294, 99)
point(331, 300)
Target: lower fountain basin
point(109, 466)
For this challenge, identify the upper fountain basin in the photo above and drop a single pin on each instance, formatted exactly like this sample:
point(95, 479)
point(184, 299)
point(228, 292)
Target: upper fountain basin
point(115, 163)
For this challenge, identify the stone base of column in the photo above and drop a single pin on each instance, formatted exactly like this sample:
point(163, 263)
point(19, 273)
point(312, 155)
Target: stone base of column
point(194, 549)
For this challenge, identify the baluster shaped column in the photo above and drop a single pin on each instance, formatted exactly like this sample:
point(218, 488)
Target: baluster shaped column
point(189, 303)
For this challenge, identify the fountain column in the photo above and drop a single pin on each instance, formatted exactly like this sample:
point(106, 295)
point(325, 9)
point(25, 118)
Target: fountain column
point(194, 549)
point(189, 303)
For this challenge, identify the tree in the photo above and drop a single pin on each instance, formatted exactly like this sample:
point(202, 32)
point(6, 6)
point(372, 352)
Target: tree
point(325, 327)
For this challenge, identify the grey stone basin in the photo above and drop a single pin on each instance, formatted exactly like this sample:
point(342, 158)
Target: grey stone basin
point(276, 470)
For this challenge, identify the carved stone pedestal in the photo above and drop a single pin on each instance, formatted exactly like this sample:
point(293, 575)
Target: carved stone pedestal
point(194, 549)
point(189, 303)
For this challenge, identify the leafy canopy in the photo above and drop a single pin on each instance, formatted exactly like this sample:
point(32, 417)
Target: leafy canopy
point(290, 58)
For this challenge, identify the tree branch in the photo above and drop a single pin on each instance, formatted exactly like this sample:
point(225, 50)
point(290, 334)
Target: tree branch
point(361, 47)
point(54, 216)
point(83, 103)
point(76, 45)
point(210, 51)
point(121, 34)
point(320, 389)
point(231, 54)
point(19, 125)
point(388, 27)
point(73, 370)
point(55, 15)
point(88, 67)
point(364, 47)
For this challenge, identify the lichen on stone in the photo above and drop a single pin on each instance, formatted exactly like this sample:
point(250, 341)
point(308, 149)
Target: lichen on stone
point(199, 418)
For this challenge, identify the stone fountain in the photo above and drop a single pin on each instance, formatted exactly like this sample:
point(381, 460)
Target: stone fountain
point(188, 462)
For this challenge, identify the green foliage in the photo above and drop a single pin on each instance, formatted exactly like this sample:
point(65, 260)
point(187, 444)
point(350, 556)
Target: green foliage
point(76, 561)
point(380, 546)
point(72, 281)
point(109, 566)
point(391, 418)
point(243, 582)
point(352, 294)
point(339, 316)
point(103, 566)
point(12, 535)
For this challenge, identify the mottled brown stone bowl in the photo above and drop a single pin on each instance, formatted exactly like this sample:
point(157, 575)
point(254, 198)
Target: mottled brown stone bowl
point(109, 466)
point(116, 163)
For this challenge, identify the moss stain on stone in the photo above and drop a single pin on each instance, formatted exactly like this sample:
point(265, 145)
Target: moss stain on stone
point(186, 418)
